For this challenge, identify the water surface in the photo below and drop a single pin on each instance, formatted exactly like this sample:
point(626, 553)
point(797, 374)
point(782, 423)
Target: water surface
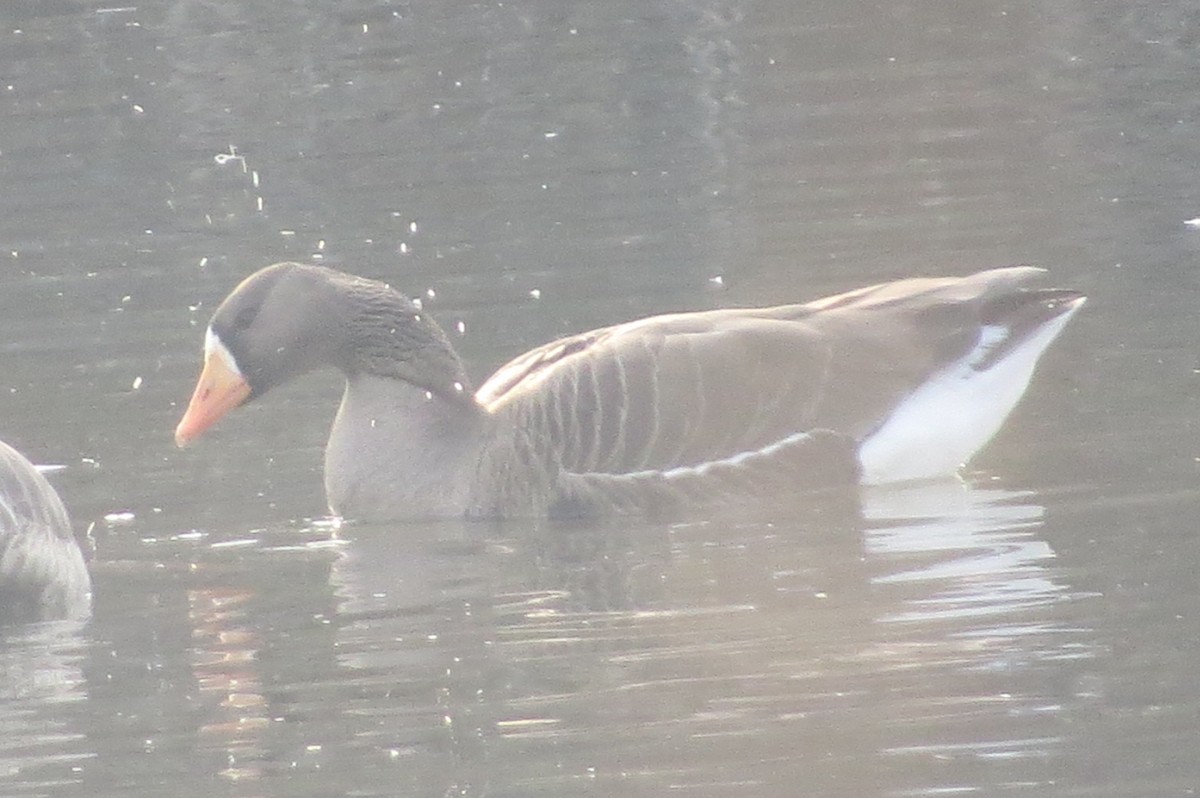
point(532, 169)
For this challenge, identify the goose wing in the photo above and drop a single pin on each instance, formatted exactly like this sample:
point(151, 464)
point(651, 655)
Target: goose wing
point(42, 571)
point(27, 500)
point(695, 390)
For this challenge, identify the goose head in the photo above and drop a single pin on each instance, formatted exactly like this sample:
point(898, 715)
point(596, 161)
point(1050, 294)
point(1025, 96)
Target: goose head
point(290, 318)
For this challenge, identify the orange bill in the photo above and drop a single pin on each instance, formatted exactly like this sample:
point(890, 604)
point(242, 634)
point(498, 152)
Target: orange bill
point(219, 389)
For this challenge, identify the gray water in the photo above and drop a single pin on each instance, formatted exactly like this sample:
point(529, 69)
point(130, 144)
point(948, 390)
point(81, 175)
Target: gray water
point(537, 167)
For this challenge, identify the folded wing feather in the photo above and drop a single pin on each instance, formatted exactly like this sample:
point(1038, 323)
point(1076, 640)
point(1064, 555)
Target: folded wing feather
point(682, 390)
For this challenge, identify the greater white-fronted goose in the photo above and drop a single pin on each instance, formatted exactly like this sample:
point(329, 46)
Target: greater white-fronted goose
point(42, 572)
point(895, 382)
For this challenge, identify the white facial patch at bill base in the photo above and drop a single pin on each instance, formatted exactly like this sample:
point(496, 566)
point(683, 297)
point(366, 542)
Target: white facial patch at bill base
point(214, 346)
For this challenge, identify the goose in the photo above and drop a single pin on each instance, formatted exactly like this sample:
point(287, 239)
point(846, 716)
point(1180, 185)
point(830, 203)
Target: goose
point(895, 382)
point(42, 571)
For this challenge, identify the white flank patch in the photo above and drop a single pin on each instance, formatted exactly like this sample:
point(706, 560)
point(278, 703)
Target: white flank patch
point(214, 346)
point(950, 417)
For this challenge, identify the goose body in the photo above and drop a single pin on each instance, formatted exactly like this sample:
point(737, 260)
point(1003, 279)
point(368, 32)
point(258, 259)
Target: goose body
point(42, 572)
point(894, 382)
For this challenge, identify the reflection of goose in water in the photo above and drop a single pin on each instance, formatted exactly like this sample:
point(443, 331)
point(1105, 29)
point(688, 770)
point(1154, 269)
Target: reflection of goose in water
point(42, 572)
point(962, 551)
point(895, 382)
point(976, 625)
point(940, 614)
